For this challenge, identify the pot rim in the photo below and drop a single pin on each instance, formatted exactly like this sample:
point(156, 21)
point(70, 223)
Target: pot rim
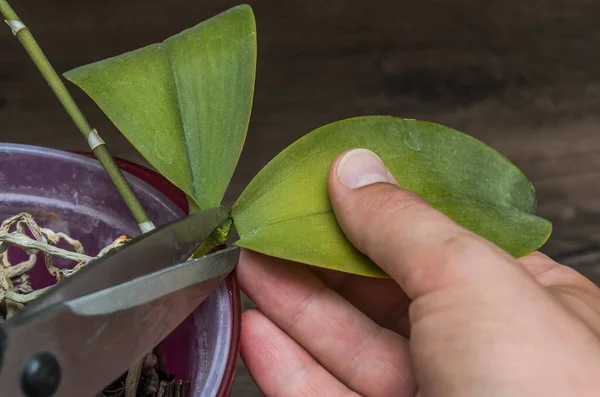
point(178, 198)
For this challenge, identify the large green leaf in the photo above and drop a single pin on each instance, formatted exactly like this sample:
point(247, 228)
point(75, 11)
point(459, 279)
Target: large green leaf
point(285, 211)
point(184, 103)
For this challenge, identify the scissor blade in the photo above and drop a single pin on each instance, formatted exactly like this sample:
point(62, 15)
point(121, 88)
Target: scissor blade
point(166, 246)
point(156, 285)
point(96, 338)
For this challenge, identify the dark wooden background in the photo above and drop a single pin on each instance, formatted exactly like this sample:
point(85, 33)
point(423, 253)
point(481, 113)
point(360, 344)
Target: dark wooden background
point(524, 77)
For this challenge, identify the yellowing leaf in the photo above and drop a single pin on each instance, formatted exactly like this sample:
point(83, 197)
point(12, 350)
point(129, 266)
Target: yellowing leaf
point(285, 211)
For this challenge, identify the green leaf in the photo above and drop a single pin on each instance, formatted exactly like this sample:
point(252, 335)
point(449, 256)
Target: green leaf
point(285, 211)
point(184, 103)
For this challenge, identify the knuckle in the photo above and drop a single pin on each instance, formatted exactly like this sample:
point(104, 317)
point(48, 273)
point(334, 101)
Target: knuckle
point(389, 200)
point(559, 274)
point(457, 245)
point(445, 260)
point(459, 242)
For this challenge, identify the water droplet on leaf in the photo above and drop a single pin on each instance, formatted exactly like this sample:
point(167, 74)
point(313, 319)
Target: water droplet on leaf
point(412, 141)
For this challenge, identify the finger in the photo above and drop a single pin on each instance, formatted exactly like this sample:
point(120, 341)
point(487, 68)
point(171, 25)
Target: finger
point(536, 262)
point(382, 300)
point(369, 359)
point(577, 293)
point(279, 366)
point(421, 248)
point(551, 273)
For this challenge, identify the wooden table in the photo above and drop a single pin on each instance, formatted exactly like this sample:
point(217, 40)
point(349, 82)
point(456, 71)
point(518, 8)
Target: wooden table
point(524, 77)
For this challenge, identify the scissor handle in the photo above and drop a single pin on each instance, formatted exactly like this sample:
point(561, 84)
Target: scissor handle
point(35, 372)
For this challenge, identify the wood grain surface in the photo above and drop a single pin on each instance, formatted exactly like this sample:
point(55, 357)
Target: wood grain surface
point(524, 77)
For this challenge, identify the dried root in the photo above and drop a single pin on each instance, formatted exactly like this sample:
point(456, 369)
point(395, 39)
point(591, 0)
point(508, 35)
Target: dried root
point(16, 292)
point(154, 381)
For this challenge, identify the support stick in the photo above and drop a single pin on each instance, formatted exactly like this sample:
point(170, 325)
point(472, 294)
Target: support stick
point(96, 144)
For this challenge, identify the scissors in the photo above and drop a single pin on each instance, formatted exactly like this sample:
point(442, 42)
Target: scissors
point(89, 329)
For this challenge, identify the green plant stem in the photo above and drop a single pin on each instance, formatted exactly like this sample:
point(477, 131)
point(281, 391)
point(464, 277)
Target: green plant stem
point(217, 238)
point(101, 152)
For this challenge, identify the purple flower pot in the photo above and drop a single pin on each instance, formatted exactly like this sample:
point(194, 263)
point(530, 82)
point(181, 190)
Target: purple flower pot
point(70, 193)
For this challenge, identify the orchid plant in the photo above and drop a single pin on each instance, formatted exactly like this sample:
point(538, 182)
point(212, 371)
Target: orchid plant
point(185, 105)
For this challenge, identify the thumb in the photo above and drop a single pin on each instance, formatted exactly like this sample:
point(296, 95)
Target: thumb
point(418, 246)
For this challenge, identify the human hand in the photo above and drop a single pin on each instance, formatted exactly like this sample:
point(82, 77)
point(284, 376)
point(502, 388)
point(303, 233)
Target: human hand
point(459, 318)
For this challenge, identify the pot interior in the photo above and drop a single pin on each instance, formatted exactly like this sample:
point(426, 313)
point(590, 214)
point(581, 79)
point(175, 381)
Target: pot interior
point(72, 194)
